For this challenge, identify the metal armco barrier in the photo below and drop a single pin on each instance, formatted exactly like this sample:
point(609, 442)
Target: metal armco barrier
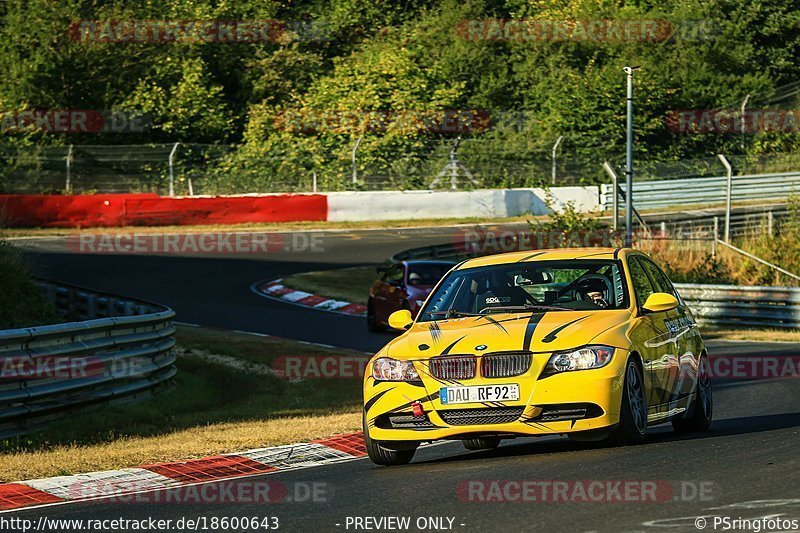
point(115, 349)
point(724, 305)
point(667, 193)
point(731, 305)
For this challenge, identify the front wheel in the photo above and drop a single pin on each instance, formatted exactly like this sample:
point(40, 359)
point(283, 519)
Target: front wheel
point(632, 427)
point(703, 406)
point(388, 454)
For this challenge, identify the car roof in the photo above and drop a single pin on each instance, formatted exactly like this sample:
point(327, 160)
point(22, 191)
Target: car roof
point(552, 254)
point(428, 262)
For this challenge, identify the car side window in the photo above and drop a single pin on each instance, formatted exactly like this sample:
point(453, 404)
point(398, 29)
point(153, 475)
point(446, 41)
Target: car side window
point(642, 287)
point(394, 276)
point(658, 277)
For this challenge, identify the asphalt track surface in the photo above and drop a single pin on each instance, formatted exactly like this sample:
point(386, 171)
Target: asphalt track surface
point(746, 465)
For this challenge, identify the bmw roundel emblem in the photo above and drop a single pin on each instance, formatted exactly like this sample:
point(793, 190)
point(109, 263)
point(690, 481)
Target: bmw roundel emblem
point(480, 347)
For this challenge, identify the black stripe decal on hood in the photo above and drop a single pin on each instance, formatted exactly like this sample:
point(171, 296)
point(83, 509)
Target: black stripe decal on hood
point(495, 322)
point(436, 333)
point(447, 350)
point(371, 402)
point(533, 321)
point(550, 337)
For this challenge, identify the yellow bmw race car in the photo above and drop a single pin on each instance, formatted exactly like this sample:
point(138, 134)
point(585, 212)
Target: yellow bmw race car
point(593, 343)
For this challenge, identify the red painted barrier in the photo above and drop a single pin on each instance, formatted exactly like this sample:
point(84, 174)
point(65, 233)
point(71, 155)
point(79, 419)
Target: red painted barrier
point(108, 210)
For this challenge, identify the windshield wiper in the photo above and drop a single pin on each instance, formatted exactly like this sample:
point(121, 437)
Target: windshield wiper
point(524, 308)
point(452, 313)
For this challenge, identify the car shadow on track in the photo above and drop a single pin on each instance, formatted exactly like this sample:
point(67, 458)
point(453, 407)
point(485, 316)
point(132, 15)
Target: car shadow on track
point(659, 434)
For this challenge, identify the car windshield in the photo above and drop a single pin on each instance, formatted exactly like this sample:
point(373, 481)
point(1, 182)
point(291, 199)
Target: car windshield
point(427, 273)
point(524, 287)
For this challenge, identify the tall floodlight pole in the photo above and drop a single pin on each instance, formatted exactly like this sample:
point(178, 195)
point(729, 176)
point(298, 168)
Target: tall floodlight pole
point(744, 129)
point(629, 163)
point(555, 147)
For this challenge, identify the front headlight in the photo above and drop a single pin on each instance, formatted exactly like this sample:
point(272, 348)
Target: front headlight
point(387, 369)
point(584, 358)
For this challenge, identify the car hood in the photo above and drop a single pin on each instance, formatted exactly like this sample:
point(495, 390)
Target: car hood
point(537, 332)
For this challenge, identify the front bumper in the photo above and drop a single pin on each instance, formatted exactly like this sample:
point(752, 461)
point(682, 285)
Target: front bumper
point(571, 402)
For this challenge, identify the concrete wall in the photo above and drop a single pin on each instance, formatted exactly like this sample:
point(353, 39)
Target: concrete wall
point(489, 203)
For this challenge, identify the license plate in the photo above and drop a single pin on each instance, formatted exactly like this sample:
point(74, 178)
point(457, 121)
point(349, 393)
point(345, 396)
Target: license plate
point(479, 393)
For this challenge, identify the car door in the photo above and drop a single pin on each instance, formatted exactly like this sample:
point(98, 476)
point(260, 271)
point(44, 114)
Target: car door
point(396, 289)
point(385, 296)
point(651, 336)
point(681, 325)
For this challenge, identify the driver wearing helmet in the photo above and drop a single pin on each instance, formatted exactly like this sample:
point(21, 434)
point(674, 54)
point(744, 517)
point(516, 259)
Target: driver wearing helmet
point(593, 290)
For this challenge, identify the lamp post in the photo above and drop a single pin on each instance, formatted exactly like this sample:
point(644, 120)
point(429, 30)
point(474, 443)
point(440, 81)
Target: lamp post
point(629, 162)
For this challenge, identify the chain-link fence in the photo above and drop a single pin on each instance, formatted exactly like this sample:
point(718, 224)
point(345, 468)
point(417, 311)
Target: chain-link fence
point(199, 169)
point(214, 169)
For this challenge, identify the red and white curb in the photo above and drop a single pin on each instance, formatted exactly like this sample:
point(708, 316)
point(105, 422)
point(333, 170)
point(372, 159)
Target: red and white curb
point(160, 476)
point(275, 290)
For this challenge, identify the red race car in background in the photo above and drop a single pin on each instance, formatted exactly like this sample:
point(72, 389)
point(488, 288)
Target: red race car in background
point(403, 285)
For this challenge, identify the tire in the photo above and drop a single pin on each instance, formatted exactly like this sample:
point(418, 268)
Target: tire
point(484, 443)
point(702, 411)
point(388, 454)
point(632, 428)
point(372, 324)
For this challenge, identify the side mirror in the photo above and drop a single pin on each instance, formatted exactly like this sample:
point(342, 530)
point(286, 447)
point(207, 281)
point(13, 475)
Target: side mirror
point(401, 319)
point(660, 301)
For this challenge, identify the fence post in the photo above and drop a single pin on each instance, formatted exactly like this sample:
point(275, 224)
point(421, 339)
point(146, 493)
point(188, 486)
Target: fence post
point(770, 223)
point(555, 147)
point(614, 185)
point(729, 170)
point(663, 228)
point(716, 236)
point(355, 168)
point(68, 184)
point(171, 174)
point(314, 182)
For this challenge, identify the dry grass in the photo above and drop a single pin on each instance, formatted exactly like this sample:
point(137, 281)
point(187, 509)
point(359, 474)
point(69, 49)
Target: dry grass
point(190, 443)
point(347, 284)
point(757, 335)
point(693, 262)
point(262, 227)
point(215, 407)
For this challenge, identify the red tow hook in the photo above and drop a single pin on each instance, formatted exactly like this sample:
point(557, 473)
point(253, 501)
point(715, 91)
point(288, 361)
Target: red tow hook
point(416, 407)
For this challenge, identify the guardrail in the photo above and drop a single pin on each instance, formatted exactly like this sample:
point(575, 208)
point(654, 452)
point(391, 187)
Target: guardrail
point(115, 349)
point(723, 305)
point(667, 193)
point(731, 305)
